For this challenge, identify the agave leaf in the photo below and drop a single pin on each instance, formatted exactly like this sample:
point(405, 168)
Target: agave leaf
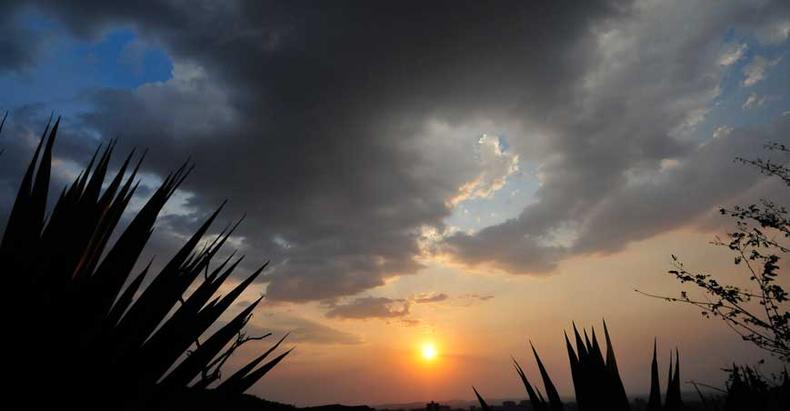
point(126, 298)
point(611, 361)
point(234, 381)
point(113, 345)
point(253, 377)
point(538, 404)
point(673, 400)
point(182, 328)
point(595, 350)
point(580, 346)
point(575, 371)
point(161, 294)
point(548, 385)
point(2, 123)
point(21, 223)
point(205, 352)
point(111, 206)
point(619, 398)
point(654, 402)
point(480, 399)
point(40, 187)
point(587, 343)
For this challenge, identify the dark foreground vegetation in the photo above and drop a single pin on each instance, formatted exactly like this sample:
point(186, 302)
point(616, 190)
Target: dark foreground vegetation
point(81, 330)
point(759, 315)
point(598, 386)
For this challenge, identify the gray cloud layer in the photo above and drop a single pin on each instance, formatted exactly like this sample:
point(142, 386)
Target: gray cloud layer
point(301, 330)
point(430, 298)
point(314, 118)
point(370, 307)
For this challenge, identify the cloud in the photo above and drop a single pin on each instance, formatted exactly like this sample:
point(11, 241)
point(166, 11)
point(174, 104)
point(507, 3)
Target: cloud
point(733, 53)
point(301, 330)
point(429, 298)
point(467, 300)
point(776, 31)
point(496, 166)
point(19, 45)
point(722, 131)
point(754, 72)
point(603, 177)
point(409, 322)
point(753, 101)
point(370, 307)
point(342, 132)
point(327, 160)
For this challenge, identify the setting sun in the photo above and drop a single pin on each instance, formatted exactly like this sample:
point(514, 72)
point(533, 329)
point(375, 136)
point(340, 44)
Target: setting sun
point(428, 351)
point(310, 206)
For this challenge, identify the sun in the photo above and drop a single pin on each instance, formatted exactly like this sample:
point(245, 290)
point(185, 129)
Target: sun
point(428, 351)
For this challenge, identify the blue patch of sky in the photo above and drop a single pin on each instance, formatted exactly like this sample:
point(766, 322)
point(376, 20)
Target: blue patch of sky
point(68, 67)
point(504, 204)
point(728, 108)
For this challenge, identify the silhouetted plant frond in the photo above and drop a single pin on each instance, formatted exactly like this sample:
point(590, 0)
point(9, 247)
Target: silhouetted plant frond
point(654, 401)
point(116, 344)
point(480, 399)
point(596, 379)
point(2, 123)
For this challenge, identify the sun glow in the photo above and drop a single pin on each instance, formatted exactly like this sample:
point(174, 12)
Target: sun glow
point(428, 351)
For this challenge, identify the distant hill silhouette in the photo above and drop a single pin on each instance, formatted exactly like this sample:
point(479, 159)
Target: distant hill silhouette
point(211, 400)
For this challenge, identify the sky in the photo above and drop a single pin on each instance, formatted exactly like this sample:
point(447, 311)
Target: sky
point(476, 175)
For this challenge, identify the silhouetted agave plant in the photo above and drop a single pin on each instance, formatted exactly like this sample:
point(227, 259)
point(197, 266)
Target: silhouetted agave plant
point(81, 332)
point(596, 379)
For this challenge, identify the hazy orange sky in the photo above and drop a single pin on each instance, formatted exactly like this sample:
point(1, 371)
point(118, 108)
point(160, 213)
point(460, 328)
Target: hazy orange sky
point(473, 175)
point(378, 361)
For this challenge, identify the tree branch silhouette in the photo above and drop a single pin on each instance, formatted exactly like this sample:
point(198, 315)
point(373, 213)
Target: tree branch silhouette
point(758, 243)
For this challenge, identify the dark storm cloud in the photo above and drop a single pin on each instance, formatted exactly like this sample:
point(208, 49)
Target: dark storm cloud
point(309, 116)
point(630, 211)
point(623, 165)
point(314, 118)
point(370, 307)
point(18, 45)
point(708, 178)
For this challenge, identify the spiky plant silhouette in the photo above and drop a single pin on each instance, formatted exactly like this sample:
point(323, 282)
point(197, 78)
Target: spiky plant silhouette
point(596, 379)
point(81, 331)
